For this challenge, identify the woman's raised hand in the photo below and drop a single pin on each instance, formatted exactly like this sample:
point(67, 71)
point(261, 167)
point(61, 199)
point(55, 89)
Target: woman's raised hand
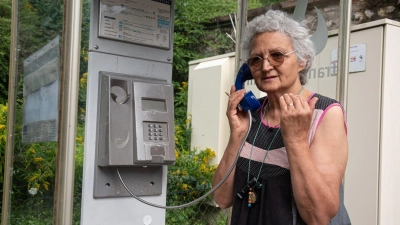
point(238, 120)
point(296, 116)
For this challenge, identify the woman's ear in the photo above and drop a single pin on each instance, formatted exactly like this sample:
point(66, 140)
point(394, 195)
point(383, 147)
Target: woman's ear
point(302, 65)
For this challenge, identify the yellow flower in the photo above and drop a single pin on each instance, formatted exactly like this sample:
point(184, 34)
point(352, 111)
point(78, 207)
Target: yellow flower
point(184, 173)
point(85, 58)
point(202, 167)
point(176, 140)
point(79, 138)
point(31, 150)
point(184, 84)
point(212, 154)
point(37, 186)
point(208, 150)
point(33, 178)
point(83, 82)
point(38, 159)
point(2, 126)
point(205, 160)
point(187, 121)
point(184, 186)
point(4, 108)
point(178, 172)
point(46, 185)
point(176, 154)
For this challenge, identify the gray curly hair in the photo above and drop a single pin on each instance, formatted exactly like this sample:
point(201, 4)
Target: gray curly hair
point(274, 20)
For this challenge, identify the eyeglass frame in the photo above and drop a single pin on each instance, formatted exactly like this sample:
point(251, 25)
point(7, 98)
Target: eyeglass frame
point(262, 58)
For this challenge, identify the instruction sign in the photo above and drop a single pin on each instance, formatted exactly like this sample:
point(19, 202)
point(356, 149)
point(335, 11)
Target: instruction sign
point(41, 93)
point(146, 22)
point(358, 56)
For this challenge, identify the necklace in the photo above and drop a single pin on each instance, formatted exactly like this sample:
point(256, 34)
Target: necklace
point(254, 183)
point(252, 197)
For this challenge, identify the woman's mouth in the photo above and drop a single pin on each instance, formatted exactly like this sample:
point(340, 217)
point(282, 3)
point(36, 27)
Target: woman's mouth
point(270, 77)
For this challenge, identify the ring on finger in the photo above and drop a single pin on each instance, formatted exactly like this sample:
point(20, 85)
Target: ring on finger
point(290, 104)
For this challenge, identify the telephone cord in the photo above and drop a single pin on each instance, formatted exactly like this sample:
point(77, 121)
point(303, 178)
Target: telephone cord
point(206, 194)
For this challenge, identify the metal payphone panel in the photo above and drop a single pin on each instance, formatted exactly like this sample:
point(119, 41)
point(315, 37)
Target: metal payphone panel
point(135, 121)
point(134, 133)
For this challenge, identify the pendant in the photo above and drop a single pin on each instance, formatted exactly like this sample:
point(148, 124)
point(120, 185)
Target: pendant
point(252, 197)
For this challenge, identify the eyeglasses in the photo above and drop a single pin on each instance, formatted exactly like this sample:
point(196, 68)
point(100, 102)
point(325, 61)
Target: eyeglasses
point(274, 58)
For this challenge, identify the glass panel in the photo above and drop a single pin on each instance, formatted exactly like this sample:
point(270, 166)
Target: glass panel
point(39, 46)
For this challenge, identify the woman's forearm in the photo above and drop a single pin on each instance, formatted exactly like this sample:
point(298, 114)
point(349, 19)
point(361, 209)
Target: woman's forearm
point(224, 194)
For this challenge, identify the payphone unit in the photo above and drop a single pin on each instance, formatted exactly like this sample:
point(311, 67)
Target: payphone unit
point(136, 122)
point(129, 110)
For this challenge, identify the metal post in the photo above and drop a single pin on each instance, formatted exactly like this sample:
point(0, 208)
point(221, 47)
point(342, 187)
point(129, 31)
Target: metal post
point(343, 52)
point(241, 22)
point(12, 90)
point(69, 85)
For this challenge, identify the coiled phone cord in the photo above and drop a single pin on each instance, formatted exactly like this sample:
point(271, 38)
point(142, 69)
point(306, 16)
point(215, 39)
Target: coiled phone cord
point(206, 194)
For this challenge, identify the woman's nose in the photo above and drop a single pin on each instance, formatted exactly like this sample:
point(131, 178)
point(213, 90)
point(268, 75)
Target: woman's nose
point(266, 65)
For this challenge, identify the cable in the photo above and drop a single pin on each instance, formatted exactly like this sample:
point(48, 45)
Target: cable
point(206, 194)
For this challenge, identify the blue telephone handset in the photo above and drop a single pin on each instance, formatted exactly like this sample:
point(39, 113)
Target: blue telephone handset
point(249, 102)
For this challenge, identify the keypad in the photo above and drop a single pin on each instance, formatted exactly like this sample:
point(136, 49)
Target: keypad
point(155, 131)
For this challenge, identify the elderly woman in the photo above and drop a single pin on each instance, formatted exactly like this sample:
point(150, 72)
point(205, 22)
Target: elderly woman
point(293, 161)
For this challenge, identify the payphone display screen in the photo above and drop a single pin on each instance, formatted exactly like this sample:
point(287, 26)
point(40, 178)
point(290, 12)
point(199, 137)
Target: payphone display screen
point(154, 105)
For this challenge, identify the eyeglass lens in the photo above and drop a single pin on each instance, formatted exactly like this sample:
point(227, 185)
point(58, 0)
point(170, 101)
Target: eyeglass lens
point(274, 58)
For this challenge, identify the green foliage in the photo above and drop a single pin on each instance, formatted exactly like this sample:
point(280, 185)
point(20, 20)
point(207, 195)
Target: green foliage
point(191, 36)
point(40, 22)
point(183, 128)
point(40, 163)
point(3, 135)
point(5, 33)
point(191, 176)
point(84, 59)
point(189, 179)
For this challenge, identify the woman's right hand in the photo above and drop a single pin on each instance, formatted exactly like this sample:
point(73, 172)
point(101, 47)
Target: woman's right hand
point(238, 120)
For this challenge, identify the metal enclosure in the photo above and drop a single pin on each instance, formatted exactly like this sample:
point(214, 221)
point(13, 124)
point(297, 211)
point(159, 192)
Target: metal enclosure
point(120, 69)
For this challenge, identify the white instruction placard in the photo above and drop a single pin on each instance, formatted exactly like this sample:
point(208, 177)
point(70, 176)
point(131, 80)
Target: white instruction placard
point(146, 22)
point(357, 56)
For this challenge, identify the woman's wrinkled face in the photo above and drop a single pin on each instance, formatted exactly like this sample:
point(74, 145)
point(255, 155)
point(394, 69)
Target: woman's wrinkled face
point(269, 78)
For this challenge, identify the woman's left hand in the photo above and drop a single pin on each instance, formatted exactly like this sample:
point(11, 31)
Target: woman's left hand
point(296, 116)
